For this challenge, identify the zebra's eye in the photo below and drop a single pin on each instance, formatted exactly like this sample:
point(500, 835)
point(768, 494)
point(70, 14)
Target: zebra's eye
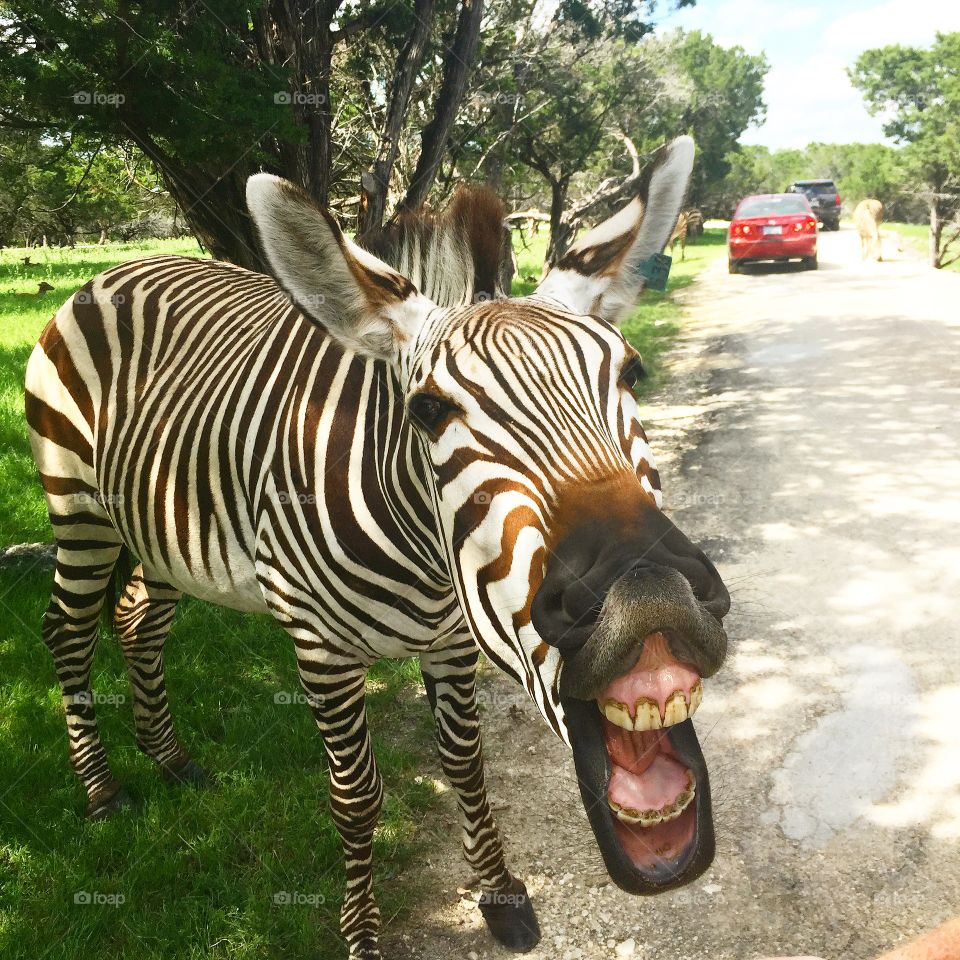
point(632, 373)
point(428, 410)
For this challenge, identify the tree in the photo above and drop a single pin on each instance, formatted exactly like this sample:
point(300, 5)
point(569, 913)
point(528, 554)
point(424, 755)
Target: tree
point(722, 96)
point(65, 189)
point(212, 92)
point(361, 104)
point(579, 112)
point(860, 170)
point(920, 92)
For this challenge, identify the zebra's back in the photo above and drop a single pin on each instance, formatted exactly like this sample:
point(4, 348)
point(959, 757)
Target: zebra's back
point(191, 406)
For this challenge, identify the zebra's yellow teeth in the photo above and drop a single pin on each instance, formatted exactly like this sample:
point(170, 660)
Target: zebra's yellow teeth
point(647, 713)
point(617, 713)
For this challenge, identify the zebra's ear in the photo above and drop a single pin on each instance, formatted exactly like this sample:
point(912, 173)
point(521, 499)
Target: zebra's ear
point(605, 271)
point(363, 303)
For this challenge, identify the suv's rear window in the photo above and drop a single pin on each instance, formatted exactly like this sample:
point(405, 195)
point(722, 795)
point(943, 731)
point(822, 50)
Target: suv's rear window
point(771, 206)
point(824, 186)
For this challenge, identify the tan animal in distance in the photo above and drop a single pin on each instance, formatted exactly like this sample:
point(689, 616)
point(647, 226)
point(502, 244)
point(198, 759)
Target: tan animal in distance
point(867, 219)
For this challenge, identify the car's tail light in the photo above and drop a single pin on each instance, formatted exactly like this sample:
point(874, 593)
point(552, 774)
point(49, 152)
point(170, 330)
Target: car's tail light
point(805, 225)
point(741, 230)
point(837, 200)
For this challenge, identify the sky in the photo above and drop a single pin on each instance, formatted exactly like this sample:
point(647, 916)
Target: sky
point(809, 45)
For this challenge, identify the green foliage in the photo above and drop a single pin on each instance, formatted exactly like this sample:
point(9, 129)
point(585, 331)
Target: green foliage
point(859, 170)
point(722, 96)
point(65, 188)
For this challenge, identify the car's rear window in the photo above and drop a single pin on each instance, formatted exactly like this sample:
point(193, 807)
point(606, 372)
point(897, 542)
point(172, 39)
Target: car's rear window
point(771, 206)
point(823, 186)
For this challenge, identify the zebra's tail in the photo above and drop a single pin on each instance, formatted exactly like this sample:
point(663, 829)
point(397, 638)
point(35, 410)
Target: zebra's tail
point(122, 572)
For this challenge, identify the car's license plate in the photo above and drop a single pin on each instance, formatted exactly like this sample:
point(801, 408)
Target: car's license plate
point(768, 231)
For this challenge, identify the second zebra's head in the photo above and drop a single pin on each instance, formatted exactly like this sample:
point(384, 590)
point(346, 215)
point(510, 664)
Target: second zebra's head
point(547, 501)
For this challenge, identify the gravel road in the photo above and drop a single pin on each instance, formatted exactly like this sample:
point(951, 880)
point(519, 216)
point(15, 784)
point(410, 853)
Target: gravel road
point(810, 439)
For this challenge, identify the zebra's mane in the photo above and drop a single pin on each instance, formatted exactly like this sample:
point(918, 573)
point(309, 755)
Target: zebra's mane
point(455, 257)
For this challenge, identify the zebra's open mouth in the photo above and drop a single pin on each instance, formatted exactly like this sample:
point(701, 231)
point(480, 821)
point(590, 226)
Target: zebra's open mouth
point(642, 774)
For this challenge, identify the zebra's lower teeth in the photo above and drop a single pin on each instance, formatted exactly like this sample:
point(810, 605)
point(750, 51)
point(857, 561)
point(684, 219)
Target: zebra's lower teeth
point(650, 818)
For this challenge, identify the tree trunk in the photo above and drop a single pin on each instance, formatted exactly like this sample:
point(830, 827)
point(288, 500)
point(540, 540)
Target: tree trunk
point(457, 66)
point(561, 232)
point(936, 233)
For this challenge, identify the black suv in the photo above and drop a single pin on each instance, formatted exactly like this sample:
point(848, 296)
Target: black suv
point(824, 199)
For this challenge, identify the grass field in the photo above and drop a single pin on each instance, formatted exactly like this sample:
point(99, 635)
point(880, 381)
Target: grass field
point(191, 874)
point(917, 236)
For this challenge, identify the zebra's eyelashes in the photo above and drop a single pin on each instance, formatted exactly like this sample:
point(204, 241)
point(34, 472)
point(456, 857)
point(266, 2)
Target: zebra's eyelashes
point(633, 372)
point(429, 411)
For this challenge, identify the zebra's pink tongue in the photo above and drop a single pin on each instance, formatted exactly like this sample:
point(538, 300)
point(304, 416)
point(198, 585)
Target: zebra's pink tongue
point(647, 783)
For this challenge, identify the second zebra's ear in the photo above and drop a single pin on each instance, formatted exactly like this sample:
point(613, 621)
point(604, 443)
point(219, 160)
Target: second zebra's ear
point(605, 271)
point(363, 303)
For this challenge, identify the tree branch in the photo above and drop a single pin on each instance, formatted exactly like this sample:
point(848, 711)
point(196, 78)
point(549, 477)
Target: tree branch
point(375, 183)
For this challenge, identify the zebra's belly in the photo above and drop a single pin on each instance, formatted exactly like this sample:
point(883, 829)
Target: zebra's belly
point(240, 591)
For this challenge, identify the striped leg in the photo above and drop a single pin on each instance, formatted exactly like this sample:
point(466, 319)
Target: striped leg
point(142, 619)
point(70, 627)
point(450, 678)
point(356, 793)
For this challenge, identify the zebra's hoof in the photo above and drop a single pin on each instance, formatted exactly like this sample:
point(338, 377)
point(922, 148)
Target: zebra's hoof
point(188, 774)
point(105, 803)
point(510, 918)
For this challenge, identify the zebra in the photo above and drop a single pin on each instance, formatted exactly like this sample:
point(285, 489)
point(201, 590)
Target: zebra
point(689, 223)
point(392, 460)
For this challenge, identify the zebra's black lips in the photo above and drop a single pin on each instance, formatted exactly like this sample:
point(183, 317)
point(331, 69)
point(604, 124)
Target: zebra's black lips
point(651, 873)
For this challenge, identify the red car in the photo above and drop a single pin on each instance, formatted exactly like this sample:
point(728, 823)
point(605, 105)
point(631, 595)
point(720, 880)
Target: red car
point(773, 226)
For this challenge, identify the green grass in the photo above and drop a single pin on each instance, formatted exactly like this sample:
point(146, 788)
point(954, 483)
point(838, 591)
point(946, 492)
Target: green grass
point(917, 236)
point(197, 870)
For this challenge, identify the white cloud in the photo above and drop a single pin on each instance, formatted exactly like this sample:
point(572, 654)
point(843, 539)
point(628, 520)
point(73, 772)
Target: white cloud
point(809, 96)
